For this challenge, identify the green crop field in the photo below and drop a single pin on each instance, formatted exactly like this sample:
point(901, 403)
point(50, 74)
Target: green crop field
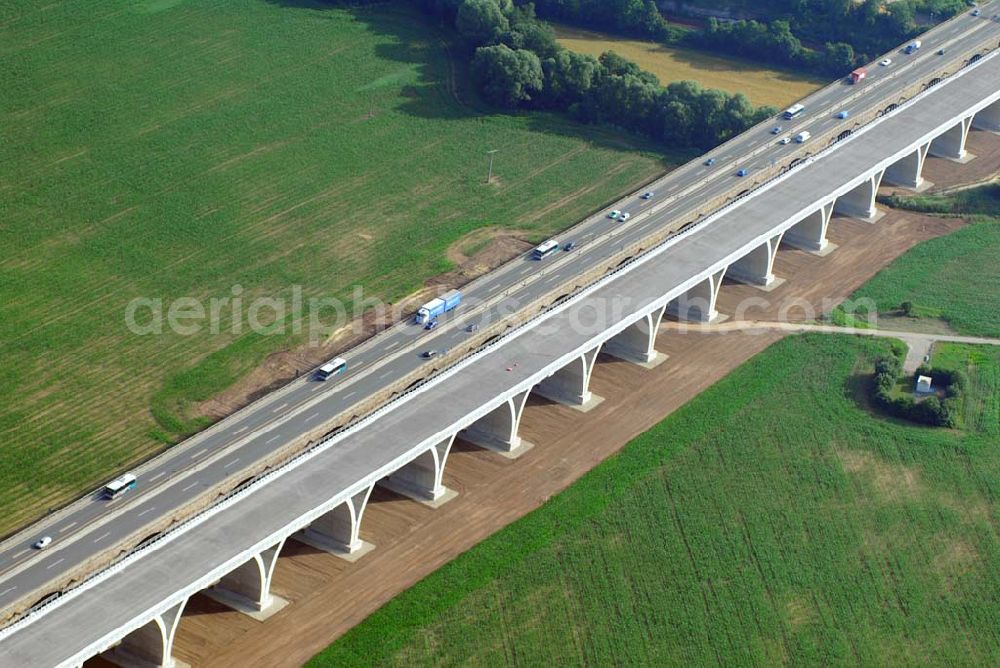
point(164, 148)
point(772, 520)
point(954, 277)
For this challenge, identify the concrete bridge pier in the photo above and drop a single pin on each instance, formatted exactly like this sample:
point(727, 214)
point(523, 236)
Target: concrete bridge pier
point(247, 588)
point(636, 342)
point(860, 201)
point(988, 119)
point(756, 267)
point(951, 144)
point(339, 530)
point(570, 385)
point(421, 479)
point(810, 233)
point(151, 645)
point(698, 303)
point(908, 172)
point(497, 430)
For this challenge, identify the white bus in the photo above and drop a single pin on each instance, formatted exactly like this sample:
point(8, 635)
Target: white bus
point(338, 365)
point(119, 486)
point(546, 249)
point(793, 111)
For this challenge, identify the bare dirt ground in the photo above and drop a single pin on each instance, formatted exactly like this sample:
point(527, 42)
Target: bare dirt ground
point(328, 596)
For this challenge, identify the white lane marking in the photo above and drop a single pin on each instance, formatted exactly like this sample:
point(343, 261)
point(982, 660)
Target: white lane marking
point(68, 526)
point(55, 563)
point(318, 386)
point(147, 510)
point(232, 463)
point(385, 374)
point(8, 590)
point(312, 417)
point(348, 396)
point(275, 410)
point(392, 345)
point(102, 536)
point(199, 453)
point(273, 438)
point(241, 429)
point(22, 552)
point(194, 484)
point(158, 476)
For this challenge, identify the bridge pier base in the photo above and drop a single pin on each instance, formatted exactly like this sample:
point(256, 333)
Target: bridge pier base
point(570, 385)
point(247, 588)
point(149, 646)
point(636, 343)
point(951, 144)
point(698, 303)
point(421, 479)
point(339, 530)
point(810, 233)
point(756, 267)
point(497, 430)
point(860, 202)
point(988, 119)
point(908, 172)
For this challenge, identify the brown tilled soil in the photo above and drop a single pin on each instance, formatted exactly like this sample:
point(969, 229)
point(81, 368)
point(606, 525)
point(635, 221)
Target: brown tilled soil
point(328, 596)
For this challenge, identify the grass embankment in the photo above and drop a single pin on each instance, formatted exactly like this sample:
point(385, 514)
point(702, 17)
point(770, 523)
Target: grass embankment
point(166, 149)
point(762, 85)
point(771, 520)
point(953, 278)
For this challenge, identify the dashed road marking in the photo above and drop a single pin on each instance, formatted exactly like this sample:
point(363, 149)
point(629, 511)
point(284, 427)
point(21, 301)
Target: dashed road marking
point(147, 510)
point(68, 526)
point(241, 429)
point(102, 536)
point(55, 563)
point(8, 590)
point(21, 553)
point(312, 417)
point(232, 463)
point(348, 396)
point(199, 453)
point(275, 410)
point(194, 484)
point(273, 438)
point(158, 476)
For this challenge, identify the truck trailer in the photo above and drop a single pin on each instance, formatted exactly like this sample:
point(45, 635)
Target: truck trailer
point(435, 307)
point(858, 74)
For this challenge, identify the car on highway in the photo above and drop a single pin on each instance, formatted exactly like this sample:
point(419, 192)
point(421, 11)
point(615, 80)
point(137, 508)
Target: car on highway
point(885, 62)
point(427, 354)
point(625, 215)
point(976, 12)
point(614, 214)
point(472, 328)
point(940, 52)
point(570, 246)
point(647, 195)
point(431, 324)
point(742, 172)
point(42, 543)
point(785, 140)
point(710, 162)
point(843, 114)
point(776, 130)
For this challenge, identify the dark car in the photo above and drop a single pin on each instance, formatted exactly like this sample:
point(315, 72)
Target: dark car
point(742, 172)
point(570, 246)
point(710, 162)
point(427, 354)
point(431, 324)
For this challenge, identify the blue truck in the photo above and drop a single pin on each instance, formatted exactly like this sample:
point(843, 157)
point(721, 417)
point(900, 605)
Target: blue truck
point(435, 307)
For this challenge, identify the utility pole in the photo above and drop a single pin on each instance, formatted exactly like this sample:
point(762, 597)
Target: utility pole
point(489, 174)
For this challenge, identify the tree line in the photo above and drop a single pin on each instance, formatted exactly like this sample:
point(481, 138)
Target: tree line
point(517, 64)
point(851, 33)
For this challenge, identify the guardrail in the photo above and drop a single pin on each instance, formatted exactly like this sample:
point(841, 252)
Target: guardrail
point(378, 404)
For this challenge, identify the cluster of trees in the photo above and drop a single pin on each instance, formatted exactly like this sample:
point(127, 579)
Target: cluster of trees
point(851, 32)
point(929, 410)
point(640, 18)
point(517, 63)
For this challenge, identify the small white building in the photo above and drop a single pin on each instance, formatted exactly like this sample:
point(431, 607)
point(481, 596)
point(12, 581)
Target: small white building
point(924, 385)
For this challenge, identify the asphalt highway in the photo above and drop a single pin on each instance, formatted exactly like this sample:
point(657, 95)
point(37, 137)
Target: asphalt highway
point(165, 484)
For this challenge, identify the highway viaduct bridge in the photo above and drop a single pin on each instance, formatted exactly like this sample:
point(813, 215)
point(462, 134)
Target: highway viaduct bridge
point(130, 611)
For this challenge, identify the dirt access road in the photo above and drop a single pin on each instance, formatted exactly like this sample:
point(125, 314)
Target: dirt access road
point(328, 596)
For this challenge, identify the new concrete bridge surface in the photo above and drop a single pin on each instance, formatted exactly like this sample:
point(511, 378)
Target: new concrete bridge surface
point(132, 608)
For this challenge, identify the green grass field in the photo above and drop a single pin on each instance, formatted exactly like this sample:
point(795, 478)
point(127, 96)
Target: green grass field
point(164, 148)
point(771, 520)
point(953, 277)
point(763, 85)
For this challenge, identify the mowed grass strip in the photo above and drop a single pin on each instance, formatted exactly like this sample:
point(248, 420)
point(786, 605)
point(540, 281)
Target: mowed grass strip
point(771, 520)
point(761, 85)
point(163, 149)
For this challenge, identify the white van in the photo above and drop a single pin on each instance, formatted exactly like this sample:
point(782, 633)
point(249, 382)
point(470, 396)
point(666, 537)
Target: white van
point(802, 137)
